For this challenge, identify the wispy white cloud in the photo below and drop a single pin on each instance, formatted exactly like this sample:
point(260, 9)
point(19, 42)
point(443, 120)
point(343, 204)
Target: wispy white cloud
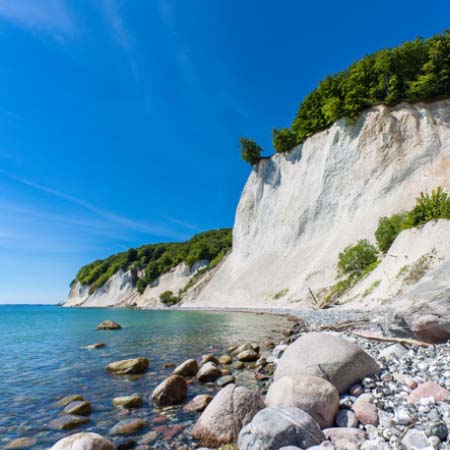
point(112, 12)
point(160, 230)
point(51, 16)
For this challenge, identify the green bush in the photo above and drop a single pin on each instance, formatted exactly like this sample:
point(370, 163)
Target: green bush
point(388, 229)
point(429, 207)
point(250, 150)
point(141, 285)
point(168, 298)
point(355, 259)
point(284, 140)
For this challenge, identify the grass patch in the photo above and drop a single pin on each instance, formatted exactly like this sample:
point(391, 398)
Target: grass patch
point(280, 294)
point(371, 288)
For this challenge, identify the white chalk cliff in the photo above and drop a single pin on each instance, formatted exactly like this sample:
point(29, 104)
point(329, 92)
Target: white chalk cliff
point(299, 210)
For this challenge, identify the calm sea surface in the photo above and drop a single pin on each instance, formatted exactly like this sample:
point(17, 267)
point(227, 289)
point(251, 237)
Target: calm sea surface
point(42, 360)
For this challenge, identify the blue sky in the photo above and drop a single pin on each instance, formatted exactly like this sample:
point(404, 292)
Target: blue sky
point(120, 120)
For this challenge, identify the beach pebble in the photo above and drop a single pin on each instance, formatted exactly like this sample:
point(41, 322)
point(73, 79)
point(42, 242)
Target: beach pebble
point(78, 408)
point(346, 418)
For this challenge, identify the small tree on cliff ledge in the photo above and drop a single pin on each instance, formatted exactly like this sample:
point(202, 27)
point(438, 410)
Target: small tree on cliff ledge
point(250, 150)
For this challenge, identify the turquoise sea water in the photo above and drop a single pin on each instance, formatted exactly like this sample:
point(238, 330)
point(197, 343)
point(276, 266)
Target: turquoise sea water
point(42, 360)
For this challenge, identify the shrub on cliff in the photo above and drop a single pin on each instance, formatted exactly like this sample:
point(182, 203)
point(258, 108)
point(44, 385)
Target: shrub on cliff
point(284, 140)
point(250, 150)
point(355, 259)
point(168, 298)
point(388, 229)
point(429, 207)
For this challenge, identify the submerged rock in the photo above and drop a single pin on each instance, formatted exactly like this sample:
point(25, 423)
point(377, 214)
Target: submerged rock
point(226, 379)
point(327, 356)
point(171, 391)
point(68, 422)
point(21, 443)
point(231, 409)
point(225, 359)
point(84, 441)
point(128, 366)
point(128, 426)
point(128, 401)
point(69, 399)
point(314, 395)
point(276, 427)
point(78, 408)
point(95, 346)
point(108, 325)
point(187, 369)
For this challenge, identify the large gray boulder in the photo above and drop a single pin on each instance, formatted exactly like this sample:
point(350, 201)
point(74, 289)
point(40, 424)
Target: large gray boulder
point(276, 427)
point(314, 395)
point(424, 312)
point(326, 356)
point(84, 441)
point(231, 409)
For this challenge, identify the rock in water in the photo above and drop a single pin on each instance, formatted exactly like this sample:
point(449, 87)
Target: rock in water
point(247, 356)
point(187, 369)
point(128, 401)
point(326, 356)
point(208, 372)
point(109, 325)
point(128, 426)
point(314, 395)
point(78, 408)
point(20, 443)
point(128, 366)
point(84, 441)
point(69, 399)
point(424, 312)
point(231, 409)
point(171, 391)
point(68, 422)
point(198, 403)
point(276, 427)
point(95, 346)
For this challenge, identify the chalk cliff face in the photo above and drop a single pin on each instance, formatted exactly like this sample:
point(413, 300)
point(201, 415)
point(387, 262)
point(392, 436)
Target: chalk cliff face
point(298, 211)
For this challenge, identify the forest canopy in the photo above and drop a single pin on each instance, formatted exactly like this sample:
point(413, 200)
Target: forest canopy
point(153, 260)
point(414, 71)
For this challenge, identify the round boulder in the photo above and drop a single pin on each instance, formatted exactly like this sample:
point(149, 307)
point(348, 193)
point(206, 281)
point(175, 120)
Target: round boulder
point(247, 356)
point(109, 325)
point(78, 408)
point(187, 369)
point(128, 401)
point(209, 372)
point(324, 355)
point(198, 403)
point(314, 395)
point(84, 441)
point(231, 409)
point(171, 391)
point(128, 366)
point(276, 427)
